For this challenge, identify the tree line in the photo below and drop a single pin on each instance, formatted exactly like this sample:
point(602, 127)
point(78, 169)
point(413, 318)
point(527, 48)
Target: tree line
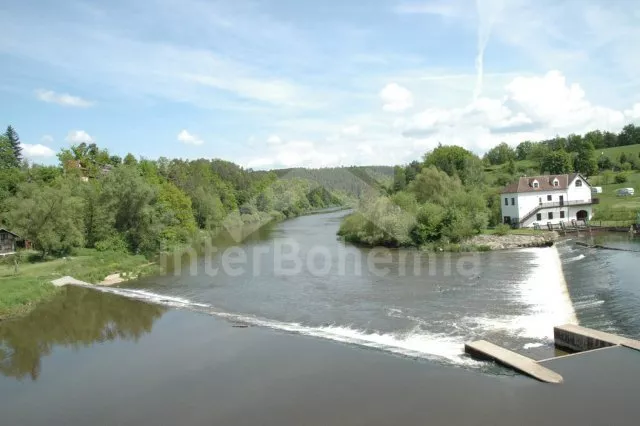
point(98, 200)
point(572, 153)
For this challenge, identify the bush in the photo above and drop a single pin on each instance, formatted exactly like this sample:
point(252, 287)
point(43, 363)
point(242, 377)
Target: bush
point(502, 229)
point(621, 178)
point(114, 243)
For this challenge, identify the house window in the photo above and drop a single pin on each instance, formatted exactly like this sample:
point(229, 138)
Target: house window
point(562, 214)
point(513, 201)
point(556, 183)
point(536, 185)
point(549, 198)
point(550, 215)
point(578, 182)
point(539, 216)
point(506, 201)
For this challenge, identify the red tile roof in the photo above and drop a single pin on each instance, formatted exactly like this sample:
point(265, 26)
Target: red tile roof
point(525, 183)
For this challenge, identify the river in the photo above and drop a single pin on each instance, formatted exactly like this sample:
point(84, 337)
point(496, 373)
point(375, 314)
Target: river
point(298, 279)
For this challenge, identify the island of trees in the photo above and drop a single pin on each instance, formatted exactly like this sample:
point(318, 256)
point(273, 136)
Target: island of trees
point(452, 194)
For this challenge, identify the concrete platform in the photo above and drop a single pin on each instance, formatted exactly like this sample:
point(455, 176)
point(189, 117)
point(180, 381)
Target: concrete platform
point(579, 339)
point(485, 350)
point(60, 282)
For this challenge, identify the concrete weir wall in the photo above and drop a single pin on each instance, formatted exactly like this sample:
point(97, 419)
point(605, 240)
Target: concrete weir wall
point(579, 339)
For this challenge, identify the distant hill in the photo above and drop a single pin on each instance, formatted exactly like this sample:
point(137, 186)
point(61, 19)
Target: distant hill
point(351, 180)
point(614, 153)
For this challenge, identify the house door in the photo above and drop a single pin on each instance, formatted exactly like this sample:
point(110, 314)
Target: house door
point(562, 200)
point(507, 220)
point(582, 215)
point(539, 201)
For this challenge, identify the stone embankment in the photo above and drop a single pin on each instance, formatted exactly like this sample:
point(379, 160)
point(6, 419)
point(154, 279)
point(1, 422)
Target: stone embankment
point(515, 240)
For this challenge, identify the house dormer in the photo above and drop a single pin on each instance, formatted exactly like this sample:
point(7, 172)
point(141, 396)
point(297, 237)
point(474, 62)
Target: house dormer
point(535, 184)
point(555, 182)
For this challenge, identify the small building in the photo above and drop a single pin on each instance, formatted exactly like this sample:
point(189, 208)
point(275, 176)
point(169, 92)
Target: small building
point(8, 242)
point(547, 199)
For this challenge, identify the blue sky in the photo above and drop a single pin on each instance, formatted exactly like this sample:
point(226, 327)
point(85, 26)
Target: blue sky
point(281, 83)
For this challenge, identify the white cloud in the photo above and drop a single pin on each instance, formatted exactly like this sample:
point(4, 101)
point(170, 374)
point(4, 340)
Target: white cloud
point(37, 151)
point(79, 136)
point(396, 98)
point(352, 130)
point(634, 112)
point(63, 99)
point(46, 139)
point(531, 108)
point(274, 140)
point(189, 139)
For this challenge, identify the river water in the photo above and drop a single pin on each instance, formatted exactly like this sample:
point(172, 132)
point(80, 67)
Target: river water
point(298, 278)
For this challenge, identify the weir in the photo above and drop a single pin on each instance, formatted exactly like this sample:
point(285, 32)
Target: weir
point(579, 340)
point(569, 337)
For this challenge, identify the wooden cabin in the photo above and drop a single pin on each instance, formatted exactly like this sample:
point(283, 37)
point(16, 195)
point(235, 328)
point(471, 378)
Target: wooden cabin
point(8, 242)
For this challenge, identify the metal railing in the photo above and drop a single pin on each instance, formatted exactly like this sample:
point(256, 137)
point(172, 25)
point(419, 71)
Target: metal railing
point(559, 204)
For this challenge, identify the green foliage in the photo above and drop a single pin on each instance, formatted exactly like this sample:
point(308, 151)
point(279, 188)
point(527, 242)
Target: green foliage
point(502, 229)
point(621, 178)
point(114, 243)
point(456, 161)
point(501, 154)
point(556, 162)
point(523, 150)
point(585, 160)
point(50, 217)
point(435, 207)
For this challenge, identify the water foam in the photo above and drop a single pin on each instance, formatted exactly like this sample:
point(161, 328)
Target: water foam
point(546, 295)
point(415, 343)
point(575, 259)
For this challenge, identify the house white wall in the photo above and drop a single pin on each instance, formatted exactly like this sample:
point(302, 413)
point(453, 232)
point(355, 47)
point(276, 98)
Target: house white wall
point(525, 202)
point(579, 193)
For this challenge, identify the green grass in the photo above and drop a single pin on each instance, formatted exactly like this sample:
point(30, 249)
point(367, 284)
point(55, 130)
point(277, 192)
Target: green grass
point(614, 153)
point(614, 208)
point(20, 292)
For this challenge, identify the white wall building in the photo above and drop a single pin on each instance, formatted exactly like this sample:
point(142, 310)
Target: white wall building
point(546, 199)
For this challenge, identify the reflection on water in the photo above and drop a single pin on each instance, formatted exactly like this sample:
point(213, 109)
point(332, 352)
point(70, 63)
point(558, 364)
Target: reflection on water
point(76, 317)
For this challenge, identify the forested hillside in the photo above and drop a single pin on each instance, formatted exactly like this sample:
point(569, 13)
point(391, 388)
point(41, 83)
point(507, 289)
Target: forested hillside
point(355, 181)
point(97, 200)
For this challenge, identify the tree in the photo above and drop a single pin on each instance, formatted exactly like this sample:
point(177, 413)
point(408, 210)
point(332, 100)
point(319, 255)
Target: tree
point(523, 150)
point(129, 160)
point(574, 142)
point(85, 159)
point(500, 154)
point(49, 216)
point(556, 162)
point(630, 135)
point(399, 179)
point(14, 141)
point(456, 161)
point(585, 160)
point(7, 154)
point(596, 138)
point(610, 139)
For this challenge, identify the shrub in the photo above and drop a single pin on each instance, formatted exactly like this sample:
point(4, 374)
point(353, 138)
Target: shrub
point(621, 178)
point(114, 243)
point(502, 229)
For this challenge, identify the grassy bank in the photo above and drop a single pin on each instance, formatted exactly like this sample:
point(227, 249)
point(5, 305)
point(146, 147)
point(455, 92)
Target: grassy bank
point(23, 288)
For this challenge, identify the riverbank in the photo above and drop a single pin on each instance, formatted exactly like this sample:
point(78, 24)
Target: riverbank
point(514, 240)
point(28, 284)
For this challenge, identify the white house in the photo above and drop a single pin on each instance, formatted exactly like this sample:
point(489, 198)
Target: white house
point(546, 199)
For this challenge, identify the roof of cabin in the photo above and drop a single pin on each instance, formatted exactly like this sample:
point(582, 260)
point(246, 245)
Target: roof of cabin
point(525, 183)
point(9, 232)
